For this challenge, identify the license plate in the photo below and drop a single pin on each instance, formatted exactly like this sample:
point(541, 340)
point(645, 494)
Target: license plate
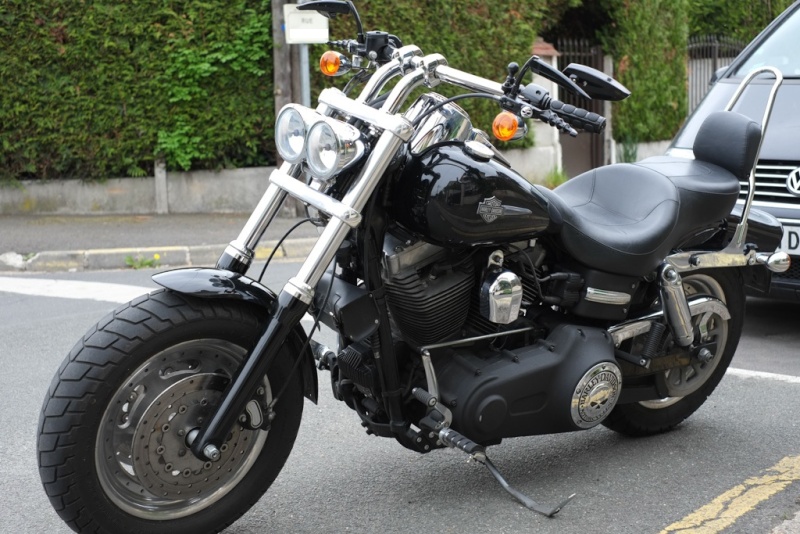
point(791, 240)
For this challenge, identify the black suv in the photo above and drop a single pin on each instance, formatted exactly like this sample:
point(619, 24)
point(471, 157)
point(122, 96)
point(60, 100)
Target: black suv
point(778, 170)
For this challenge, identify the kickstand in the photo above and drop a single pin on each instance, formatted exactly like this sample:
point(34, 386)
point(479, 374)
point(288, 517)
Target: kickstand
point(452, 438)
point(521, 497)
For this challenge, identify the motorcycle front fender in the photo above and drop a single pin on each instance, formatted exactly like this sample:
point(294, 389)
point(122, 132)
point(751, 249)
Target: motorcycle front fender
point(222, 284)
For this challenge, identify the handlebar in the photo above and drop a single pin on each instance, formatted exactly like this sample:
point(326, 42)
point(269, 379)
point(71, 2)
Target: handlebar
point(432, 69)
point(579, 117)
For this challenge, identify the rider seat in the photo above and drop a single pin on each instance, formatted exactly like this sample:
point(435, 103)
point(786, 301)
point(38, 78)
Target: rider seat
point(626, 218)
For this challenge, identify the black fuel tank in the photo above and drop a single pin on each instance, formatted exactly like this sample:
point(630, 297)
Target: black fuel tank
point(454, 198)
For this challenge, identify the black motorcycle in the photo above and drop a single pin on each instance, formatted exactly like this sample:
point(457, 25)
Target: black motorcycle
point(470, 305)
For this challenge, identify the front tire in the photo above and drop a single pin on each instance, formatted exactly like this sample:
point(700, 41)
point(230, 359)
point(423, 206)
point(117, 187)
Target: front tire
point(112, 447)
point(690, 386)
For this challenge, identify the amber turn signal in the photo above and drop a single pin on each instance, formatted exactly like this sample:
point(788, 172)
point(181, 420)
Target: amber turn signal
point(330, 62)
point(505, 126)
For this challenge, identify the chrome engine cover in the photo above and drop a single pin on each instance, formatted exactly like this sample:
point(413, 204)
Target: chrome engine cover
point(501, 292)
point(596, 394)
point(501, 297)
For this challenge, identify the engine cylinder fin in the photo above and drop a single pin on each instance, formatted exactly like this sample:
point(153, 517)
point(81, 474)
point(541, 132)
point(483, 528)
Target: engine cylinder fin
point(429, 309)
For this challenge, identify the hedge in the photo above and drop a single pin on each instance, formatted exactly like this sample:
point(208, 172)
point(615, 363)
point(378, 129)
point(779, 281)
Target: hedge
point(648, 43)
point(474, 35)
point(741, 19)
point(102, 89)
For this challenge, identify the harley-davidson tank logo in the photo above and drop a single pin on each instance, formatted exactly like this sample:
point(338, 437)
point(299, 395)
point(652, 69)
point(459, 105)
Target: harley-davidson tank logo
point(490, 209)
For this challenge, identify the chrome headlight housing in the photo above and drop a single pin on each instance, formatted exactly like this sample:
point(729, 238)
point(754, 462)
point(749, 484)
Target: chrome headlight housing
point(291, 127)
point(331, 147)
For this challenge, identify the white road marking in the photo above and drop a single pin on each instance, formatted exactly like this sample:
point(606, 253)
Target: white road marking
point(744, 373)
point(72, 289)
point(119, 293)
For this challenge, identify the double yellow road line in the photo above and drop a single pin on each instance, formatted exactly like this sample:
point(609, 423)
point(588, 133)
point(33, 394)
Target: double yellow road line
point(723, 511)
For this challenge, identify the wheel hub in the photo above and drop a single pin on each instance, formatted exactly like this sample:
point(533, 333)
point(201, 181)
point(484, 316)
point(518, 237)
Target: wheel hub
point(143, 457)
point(162, 458)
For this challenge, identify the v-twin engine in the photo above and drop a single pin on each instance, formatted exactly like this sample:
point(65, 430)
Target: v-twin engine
point(567, 381)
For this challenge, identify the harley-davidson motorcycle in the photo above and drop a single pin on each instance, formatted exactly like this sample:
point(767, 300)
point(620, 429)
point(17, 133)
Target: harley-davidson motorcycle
point(470, 305)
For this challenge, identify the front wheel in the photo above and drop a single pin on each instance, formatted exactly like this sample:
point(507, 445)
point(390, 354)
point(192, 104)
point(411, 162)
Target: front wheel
point(114, 429)
point(689, 387)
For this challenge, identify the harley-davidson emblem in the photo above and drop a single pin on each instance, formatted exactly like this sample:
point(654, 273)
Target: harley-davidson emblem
point(793, 182)
point(490, 209)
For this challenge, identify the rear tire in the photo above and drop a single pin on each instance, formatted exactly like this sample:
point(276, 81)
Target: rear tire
point(690, 385)
point(112, 450)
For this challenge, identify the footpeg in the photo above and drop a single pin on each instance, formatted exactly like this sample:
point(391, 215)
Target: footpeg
point(453, 439)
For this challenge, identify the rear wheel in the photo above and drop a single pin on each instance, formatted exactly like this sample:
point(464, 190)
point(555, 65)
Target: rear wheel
point(115, 428)
point(689, 386)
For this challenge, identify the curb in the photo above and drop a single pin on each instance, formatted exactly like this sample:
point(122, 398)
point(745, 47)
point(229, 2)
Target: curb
point(127, 258)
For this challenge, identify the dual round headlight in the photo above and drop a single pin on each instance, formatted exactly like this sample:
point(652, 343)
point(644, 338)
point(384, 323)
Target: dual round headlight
point(290, 134)
point(328, 146)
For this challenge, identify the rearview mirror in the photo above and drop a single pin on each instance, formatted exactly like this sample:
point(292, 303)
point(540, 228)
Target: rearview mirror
point(597, 84)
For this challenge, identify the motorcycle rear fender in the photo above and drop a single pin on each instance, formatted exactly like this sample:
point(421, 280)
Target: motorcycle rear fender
point(765, 232)
point(221, 284)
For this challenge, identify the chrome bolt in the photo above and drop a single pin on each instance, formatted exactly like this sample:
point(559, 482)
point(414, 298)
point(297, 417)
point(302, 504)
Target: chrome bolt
point(260, 391)
point(181, 432)
point(211, 452)
point(182, 452)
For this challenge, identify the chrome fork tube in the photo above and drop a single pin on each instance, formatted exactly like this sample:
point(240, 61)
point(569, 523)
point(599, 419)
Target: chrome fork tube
point(673, 302)
point(302, 285)
point(239, 254)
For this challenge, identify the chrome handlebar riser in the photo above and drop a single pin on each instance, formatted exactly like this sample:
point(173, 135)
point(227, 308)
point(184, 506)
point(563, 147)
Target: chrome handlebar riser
point(401, 64)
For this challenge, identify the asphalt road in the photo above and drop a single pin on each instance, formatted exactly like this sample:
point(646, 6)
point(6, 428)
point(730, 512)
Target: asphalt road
point(338, 479)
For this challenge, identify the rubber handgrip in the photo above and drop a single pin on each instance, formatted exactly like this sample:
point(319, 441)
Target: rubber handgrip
point(580, 118)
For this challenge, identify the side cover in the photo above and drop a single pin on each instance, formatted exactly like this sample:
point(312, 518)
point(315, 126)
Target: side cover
point(221, 284)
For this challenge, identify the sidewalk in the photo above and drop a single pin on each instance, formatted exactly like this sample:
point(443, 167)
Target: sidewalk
point(62, 243)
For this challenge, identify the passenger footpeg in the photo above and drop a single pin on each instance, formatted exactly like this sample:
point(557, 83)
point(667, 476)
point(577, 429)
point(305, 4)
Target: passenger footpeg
point(453, 439)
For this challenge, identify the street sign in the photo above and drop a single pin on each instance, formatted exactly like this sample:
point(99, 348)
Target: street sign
point(304, 27)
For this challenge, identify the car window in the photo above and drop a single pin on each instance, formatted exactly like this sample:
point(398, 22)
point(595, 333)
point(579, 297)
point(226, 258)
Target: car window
point(781, 49)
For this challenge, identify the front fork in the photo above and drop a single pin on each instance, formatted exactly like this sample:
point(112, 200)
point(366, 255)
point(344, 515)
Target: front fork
point(298, 293)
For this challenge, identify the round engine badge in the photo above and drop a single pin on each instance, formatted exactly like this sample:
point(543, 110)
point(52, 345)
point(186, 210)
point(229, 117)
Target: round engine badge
point(596, 394)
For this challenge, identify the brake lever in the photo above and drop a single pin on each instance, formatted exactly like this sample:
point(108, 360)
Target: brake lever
point(556, 76)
